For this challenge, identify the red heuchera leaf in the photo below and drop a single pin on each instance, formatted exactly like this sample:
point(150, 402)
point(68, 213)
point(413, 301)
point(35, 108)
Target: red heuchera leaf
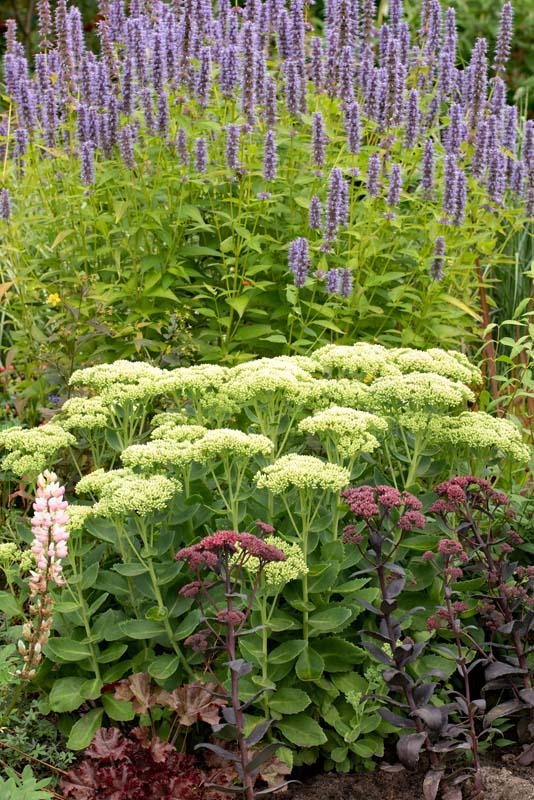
point(117, 767)
point(137, 689)
point(275, 772)
point(193, 702)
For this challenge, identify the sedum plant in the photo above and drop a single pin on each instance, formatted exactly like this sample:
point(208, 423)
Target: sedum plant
point(284, 183)
point(215, 448)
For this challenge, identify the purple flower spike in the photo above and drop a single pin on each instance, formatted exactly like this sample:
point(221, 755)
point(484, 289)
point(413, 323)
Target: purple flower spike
point(271, 115)
point(517, 181)
point(316, 63)
point(498, 100)
point(201, 155)
point(248, 72)
point(203, 81)
point(44, 16)
point(319, 139)
point(460, 199)
point(5, 204)
point(163, 114)
point(233, 135)
point(299, 260)
point(315, 214)
point(450, 188)
point(427, 179)
point(436, 270)
point(333, 281)
point(346, 75)
point(337, 213)
point(88, 165)
point(478, 163)
point(497, 177)
point(413, 119)
point(373, 174)
point(126, 140)
point(504, 39)
point(456, 131)
point(346, 282)
point(181, 146)
point(395, 185)
point(353, 128)
point(269, 157)
point(478, 81)
point(229, 70)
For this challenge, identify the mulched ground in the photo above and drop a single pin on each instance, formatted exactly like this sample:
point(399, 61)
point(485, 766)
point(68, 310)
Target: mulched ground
point(504, 781)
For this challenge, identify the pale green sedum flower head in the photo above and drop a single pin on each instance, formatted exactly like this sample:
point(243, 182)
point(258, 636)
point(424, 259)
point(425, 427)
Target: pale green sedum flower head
point(223, 442)
point(32, 450)
point(159, 453)
point(277, 573)
point(478, 430)
point(122, 491)
point(85, 413)
point(170, 431)
point(351, 430)
point(447, 363)
point(302, 472)
point(78, 516)
point(366, 361)
point(104, 376)
point(199, 378)
point(417, 391)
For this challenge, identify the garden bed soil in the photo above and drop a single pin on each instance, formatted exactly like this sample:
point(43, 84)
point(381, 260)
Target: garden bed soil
point(503, 782)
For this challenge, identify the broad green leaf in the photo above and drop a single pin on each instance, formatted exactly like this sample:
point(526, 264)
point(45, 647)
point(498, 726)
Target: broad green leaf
point(83, 731)
point(310, 665)
point(163, 667)
point(9, 606)
point(328, 620)
point(289, 701)
point(287, 651)
point(338, 655)
point(62, 649)
point(118, 710)
point(141, 628)
point(302, 730)
point(66, 694)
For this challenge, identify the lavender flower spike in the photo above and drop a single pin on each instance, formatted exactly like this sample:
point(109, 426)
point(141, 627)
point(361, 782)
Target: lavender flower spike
point(373, 173)
point(315, 214)
point(427, 179)
point(299, 260)
point(353, 128)
point(201, 155)
point(269, 157)
point(233, 133)
point(319, 139)
point(395, 185)
point(346, 282)
point(337, 213)
point(333, 281)
point(413, 119)
point(504, 39)
point(5, 204)
point(436, 270)
point(88, 166)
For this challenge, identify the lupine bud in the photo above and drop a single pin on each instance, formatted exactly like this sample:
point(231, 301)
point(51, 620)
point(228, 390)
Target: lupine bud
point(201, 155)
point(233, 134)
point(269, 157)
point(299, 260)
point(504, 39)
point(373, 174)
point(315, 214)
point(319, 139)
point(436, 271)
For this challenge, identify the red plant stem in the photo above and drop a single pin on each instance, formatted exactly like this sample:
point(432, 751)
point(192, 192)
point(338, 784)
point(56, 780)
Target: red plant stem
point(379, 564)
point(236, 705)
point(467, 689)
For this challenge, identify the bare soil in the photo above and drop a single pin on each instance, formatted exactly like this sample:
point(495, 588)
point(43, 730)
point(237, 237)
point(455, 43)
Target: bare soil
point(504, 781)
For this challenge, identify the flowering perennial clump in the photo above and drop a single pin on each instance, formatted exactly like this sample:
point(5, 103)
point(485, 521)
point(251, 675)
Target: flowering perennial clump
point(352, 431)
point(122, 492)
point(29, 451)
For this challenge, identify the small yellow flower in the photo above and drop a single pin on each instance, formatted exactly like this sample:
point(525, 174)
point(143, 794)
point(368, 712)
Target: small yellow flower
point(53, 299)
